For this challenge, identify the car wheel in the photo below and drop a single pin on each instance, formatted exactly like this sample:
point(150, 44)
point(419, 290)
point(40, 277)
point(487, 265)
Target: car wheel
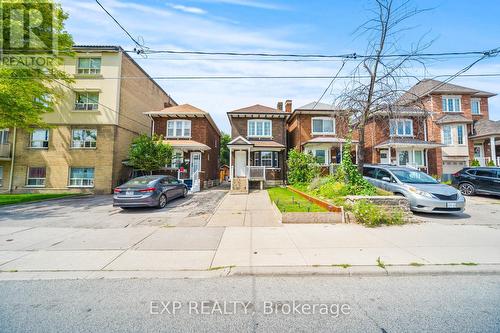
point(399, 194)
point(162, 201)
point(467, 189)
point(184, 192)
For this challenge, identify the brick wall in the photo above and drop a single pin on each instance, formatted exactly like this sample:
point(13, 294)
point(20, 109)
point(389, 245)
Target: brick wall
point(239, 128)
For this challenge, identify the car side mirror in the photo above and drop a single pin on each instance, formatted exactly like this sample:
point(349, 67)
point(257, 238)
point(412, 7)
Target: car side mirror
point(386, 179)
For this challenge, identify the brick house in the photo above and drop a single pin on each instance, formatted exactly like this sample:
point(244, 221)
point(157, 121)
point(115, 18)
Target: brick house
point(195, 139)
point(90, 131)
point(454, 111)
point(257, 151)
point(399, 136)
point(319, 129)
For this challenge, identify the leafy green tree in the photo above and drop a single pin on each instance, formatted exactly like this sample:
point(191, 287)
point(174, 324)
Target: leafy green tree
point(29, 90)
point(149, 154)
point(224, 150)
point(349, 173)
point(302, 167)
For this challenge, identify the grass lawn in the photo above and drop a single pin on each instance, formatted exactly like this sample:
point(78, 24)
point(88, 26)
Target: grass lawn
point(8, 199)
point(288, 201)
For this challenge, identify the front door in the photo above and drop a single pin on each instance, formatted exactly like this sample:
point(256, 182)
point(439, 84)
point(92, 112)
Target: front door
point(195, 164)
point(403, 157)
point(240, 163)
point(384, 156)
point(479, 153)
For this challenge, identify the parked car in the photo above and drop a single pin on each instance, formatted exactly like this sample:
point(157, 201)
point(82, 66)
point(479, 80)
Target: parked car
point(149, 191)
point(484, 180)
point(424, 192)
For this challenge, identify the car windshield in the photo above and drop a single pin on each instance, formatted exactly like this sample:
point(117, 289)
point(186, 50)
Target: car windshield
point(413, 177)
point(140, 181)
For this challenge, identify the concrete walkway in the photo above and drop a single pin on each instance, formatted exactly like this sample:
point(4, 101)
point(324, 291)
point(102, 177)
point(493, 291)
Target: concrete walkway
point(245, 210)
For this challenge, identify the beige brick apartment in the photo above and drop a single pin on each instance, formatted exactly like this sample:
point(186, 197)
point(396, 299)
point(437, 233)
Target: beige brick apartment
point(90, 131)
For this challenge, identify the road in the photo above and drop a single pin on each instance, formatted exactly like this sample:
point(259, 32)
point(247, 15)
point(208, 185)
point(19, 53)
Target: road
point(374, 304)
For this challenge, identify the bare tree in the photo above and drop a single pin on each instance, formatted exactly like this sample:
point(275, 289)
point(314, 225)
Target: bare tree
point(385, 63)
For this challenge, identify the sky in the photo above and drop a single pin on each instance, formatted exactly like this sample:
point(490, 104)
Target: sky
point(278, 26)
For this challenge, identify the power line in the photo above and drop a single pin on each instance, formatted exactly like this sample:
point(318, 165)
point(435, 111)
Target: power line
point(329, 85)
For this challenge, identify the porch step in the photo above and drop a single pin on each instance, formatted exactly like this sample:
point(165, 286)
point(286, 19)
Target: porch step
point(239, 185)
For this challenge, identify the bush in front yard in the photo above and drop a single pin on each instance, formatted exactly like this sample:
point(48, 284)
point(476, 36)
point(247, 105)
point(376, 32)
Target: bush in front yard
point(371, 215)
point(348, 172)
point(302, 167)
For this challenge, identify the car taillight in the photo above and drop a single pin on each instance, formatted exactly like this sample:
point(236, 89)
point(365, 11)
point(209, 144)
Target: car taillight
point(117, 190)
point(149, 189)
point(456, 174)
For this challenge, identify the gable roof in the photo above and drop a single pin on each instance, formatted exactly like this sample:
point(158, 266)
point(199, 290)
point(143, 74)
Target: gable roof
point(430, 86)
point(486, 127)
point(317, 106)
point(239, 141)
point(257, 108)
point(184, 110)
point(453, 118)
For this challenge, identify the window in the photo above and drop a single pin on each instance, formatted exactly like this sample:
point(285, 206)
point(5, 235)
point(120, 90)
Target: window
point(403, 157)
point(1, 176)
point(177, 159)
point(4, 136)
point(89, 65)
point(383, 174)
point(447, 139)
point(323, 125)
point(39, 139)
point(401, 127)
point(369, 172)
point(266, 158)
point(452, 104)
point(84, 138)
point(87, 101)
point(486, 173)
point(260, 128)
point(320, 156)
point(179, 128)
point(81, 177)
point(460, 134)
point(419, 157)
point(36, 176)
point(475, 106)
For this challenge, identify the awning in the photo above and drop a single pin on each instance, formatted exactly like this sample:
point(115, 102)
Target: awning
point(324, 139)
point(187, 145)
point(408, 143)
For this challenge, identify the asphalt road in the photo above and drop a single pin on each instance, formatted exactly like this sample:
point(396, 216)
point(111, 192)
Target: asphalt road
point(374, 304)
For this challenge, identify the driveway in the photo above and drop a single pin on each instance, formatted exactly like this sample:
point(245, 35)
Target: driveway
point(479, 210)
point(98, 212)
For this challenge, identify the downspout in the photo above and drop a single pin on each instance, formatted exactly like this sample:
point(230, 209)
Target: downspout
point(11, 175)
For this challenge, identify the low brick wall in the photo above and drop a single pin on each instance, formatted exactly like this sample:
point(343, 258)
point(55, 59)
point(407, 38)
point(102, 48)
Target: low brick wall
point(309, 217)
point(388, 202)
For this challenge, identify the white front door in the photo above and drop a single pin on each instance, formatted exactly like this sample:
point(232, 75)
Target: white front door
point(384, 156)
point(240, 163)
point(195, 164)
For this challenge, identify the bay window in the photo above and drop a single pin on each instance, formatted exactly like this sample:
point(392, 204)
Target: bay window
point(179, 129)
point(447, 138)
point(460, 134)
point(323, 125)
point(259, 128)
point(452, 104)
point(401, 127)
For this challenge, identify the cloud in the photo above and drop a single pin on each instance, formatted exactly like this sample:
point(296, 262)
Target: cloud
point(188, 9)
point(249, 3)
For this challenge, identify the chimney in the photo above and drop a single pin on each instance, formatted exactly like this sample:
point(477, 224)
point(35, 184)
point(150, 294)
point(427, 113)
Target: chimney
point(280, 106)
point(288, 105)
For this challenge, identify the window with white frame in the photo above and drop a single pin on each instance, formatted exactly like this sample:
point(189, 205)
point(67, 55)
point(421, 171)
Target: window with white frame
point(401, 127)
point(460, 134)
point(419, 158)
point(81, 177)
point(179, 128)
point(4, 136)
point(87, 101)
point(89, 65)
point(447, 138)
point(475, 106)
point(266, 158)
point(323, 125)
point(320, 156)
point(177, 159)
point(260, 128)
point(39, 138)
point(84, 138)
point(36, 176)
point(452, 104)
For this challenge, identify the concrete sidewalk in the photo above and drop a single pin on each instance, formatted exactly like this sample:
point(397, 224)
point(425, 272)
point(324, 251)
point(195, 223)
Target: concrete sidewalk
point(40, 253)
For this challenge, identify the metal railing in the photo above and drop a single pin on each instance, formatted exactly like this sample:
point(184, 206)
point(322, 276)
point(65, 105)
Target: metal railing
point(5, 149)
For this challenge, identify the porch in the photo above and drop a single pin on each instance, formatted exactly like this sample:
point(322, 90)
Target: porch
point(485, 151)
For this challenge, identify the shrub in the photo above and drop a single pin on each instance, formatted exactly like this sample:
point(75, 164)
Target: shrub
point(302, 167)
point(491, 163)
point(475, 163)
point(371, 215)
point(333, 190)
point(348, 173)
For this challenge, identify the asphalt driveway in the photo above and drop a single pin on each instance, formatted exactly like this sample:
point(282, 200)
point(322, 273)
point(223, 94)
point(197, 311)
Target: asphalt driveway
point(98, 212)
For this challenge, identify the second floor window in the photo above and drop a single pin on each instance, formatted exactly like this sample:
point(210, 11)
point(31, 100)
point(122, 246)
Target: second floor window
point(447, 138)
point(4, 136)
point(460, 134)
point(260, 128)
point(452, 104)
point(401, 127)
point(87, 101)
point(39, 138)
point(475, 106)
point(179, 128)
point(323, 125)
point(84, 138)
point(89, 65)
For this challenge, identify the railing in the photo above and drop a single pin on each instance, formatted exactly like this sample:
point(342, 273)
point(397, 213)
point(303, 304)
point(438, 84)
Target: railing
point(498, 160)
point(196, 182)
point(5, 150)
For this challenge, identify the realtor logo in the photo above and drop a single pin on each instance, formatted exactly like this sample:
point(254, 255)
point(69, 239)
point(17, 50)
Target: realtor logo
point(28, 33)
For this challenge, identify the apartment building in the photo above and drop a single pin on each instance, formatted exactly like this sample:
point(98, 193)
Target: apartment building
point(90, 132)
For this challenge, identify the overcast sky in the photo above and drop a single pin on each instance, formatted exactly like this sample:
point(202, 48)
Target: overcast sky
point(323, 26)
